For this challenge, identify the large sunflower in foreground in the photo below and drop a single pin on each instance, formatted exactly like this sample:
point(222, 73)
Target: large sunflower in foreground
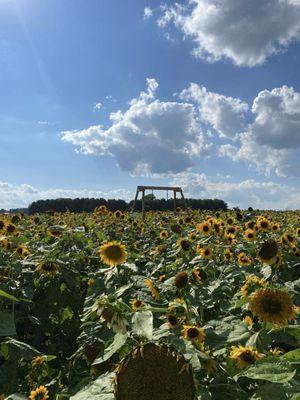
point(113, 253)
point(273, 305)
point(154, 372)
point(244, 356)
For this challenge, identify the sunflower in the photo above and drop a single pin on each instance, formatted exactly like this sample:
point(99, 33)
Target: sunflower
point(181, 280)
point(228, 254)
point(172, 320)
point(113, 253)
point(263, 224)
point(210, 366)
point(164, 234)
point(193, 333)
point(250, 235)
point(206, 252)
point(199, 275)
point(275, 227)
point(204, 227)
point(22, 251)
point(49, 268)
point(136, 304)
point(39, 360)
point(273, 305)
point(244, 356)
point(175, 228)
point(184, 244)
point(251, 284)
point(10, 228)
point(248, 320)
point(2, 226)
point(118, 214)
point(41, 393)
point(154, 290)
point(268, 251)
point(154, 372)
point(244, 259)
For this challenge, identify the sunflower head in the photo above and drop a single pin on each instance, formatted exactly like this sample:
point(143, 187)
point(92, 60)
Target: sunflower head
point(206, 252)
point(184, 244)
point(172, 320)
point(164, 234)
point(113, 253)
point(268, 251)
point(244, 356)
point(48, 268)
point(181, 280)
point(204, 227)
point(40, 393)
point(244, 259)
point(175, 228)
point(273, 305)
point(250, 235)
point(193, 333)
point(136, 304)
point(154, 372)
point(263, 224)
point(153, 288)
point(251, 284)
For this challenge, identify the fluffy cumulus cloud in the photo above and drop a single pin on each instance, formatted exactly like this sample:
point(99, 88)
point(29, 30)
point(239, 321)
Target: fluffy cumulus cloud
point(246, 32)
point(262, 195)
point(272, 141)
point(225, 114)
point(147, 13)
point(150, 137)
point(15, 196)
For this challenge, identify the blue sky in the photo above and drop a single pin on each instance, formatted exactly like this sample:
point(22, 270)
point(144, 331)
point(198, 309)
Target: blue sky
point(238, 126)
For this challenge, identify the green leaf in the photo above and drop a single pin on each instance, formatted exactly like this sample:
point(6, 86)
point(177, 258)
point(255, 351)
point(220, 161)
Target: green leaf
point(14, 350)
point(100, 389)
point(7, 324)
point(7, 295)
point(119, 341)
point(279, 372)
point(239, 334)
point(143, 324)
point(16, 396)
point(292, 356)
point(263, 393)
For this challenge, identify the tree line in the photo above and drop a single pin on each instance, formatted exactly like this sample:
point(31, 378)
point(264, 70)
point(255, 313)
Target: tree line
point(89, 204)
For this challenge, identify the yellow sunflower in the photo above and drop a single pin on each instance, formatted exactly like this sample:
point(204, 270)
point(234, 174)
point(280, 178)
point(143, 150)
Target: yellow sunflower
point(113, 253)
point(204, 227)
point(244, 259)
point(172, 320)
point(136, 304)
point(41, 393)
point(206, 252)
point(184, 244)
point(193, 333)
point(164, 234)
point(263, 224)
point(251, 284)
point(250, 235)
point(273, 305)
point(244, 356)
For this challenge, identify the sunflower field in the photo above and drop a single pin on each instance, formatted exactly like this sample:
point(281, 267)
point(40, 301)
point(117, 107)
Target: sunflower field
point(181, 306)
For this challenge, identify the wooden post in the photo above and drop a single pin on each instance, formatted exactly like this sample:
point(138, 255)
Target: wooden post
point(184, 202)
point(143, 204)
point(134, 201)
point(174, 201)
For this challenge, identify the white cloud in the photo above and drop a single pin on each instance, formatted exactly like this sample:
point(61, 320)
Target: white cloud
point(14, 196)
point(147, 13)
point(246, 32)
point(225, 114)
point(272, 142)
point(150, 137)
point(262, 195)
point(97, 106)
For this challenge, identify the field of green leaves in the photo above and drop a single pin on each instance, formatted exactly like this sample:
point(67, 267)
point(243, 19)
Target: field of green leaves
point(106, 306)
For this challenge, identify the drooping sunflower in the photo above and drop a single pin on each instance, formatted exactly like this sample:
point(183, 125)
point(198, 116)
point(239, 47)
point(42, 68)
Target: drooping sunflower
point(268, 251)
point(113, 253)
point(48, 268)
point(193, 333)
point(273, 305)
point(244, 356)
point(154, 372)
point(41, 393)
point(181, 280)
point(153, 288)
point(22, 251)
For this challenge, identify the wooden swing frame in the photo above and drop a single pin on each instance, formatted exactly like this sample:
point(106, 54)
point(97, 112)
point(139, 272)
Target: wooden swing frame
point(142, 189)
